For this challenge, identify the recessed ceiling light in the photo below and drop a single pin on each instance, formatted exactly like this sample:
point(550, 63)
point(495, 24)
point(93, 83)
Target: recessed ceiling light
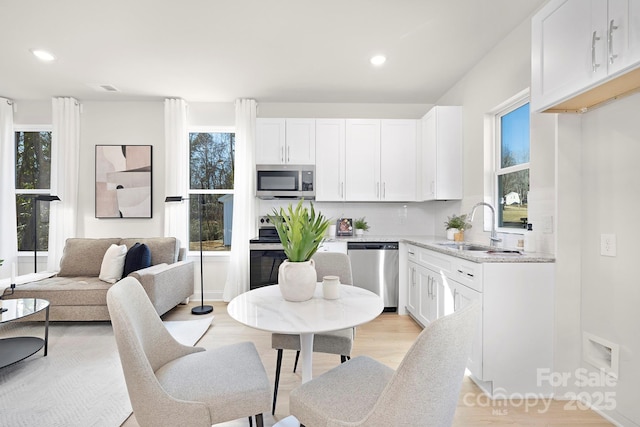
point(378, 60)
point(43, 55)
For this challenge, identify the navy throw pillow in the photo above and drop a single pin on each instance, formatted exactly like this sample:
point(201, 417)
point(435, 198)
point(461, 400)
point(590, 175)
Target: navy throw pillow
point(138, 257)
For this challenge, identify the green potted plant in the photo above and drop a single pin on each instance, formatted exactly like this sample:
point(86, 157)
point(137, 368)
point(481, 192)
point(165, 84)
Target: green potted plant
point(301, 230)
point(455, 226)
point(361, 226)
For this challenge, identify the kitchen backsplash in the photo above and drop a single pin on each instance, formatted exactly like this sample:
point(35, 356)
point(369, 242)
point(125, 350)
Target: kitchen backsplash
point(416, 218)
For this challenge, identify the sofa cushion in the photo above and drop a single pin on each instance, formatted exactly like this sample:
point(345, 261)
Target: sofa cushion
point(83, 257)
point(138, 257)
point(81, 290)
point(113, 263)
point(163, 249)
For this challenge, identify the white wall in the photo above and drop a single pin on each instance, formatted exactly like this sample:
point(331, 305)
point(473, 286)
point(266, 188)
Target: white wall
point(610, 290)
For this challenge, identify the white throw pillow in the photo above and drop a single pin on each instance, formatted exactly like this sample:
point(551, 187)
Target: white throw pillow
point(113, 263)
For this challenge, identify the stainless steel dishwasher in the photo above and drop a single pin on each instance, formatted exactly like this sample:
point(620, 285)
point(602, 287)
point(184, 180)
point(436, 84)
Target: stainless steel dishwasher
point(375, 267)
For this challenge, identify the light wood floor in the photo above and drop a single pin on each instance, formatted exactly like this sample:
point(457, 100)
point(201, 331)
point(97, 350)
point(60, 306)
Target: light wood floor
point(386, 339)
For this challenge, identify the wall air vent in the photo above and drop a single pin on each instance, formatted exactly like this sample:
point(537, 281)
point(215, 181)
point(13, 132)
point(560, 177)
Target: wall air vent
point(109, 88)
point(103, 87)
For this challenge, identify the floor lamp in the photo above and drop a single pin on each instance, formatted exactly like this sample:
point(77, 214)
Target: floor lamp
point(202, 309)
point(39, 198)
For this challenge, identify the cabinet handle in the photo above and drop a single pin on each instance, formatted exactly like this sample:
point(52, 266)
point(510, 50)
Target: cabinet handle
point(455, 294)
point(288, 154)
point(342, 189)
point(433, 188)
point(594, 39)
point(612, 56)
point(282, 154)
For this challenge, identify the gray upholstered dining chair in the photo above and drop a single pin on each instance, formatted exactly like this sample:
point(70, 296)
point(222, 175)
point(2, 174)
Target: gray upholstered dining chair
point(423, 391)
point(334, 342)
point(171, 384)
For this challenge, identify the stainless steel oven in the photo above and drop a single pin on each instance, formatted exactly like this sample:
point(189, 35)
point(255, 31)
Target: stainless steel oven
point(265, 256)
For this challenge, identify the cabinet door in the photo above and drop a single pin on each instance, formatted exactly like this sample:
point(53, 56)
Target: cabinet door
point(568, 52)
point(300, 142)
point(428, 284)
point(441, 173)
point(398, 160)
point(412, 294)
point(362, 160)
point(330, 160)
point(270, 140)
point(623, 34)
point(463, 296)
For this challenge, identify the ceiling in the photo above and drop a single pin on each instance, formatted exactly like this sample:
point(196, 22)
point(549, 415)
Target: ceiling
point(269, 50)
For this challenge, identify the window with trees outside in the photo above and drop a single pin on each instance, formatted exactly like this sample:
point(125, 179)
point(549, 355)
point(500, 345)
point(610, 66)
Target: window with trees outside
point(512, 164)
point(211, 167)
point(33, 178)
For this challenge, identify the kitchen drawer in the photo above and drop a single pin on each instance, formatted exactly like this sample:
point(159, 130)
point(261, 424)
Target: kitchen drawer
point(467, 273)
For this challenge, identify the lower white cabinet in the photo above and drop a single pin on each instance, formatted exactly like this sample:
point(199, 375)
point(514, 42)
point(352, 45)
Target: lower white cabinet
point(514, 339)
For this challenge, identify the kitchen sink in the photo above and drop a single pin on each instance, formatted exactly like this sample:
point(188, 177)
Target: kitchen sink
point(478, 248)
point(464, 246)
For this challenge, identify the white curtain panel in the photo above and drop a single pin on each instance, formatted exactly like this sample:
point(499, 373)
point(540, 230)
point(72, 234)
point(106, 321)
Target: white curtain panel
point(176, 177)
point(244, 201)
point(65, 166)
point(8, 226)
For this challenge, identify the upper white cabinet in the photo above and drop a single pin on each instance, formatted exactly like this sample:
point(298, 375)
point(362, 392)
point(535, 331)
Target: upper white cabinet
point(441, 165)
point(398, 142)
point(366, 160)
point(578, 45)
point(330, 160)
point(285, 141)
point(380, 160)
point(363, 160)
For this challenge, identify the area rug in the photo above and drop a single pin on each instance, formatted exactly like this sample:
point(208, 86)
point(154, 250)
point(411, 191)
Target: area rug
point(80, 382)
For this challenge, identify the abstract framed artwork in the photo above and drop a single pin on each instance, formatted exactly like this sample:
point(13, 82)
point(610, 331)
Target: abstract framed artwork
point(123, 181)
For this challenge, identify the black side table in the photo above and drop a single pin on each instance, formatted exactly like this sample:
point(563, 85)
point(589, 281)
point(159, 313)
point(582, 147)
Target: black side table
point(15, 349)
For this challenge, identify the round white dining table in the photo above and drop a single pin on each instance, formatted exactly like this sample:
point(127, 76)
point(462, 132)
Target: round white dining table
point(265, 309)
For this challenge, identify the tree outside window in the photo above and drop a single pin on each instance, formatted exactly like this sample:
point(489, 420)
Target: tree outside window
point(211, 166)
point(33, 177)
point(513, 158)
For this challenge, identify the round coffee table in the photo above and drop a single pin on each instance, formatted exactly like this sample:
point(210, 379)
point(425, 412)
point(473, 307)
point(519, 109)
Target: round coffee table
point(15, 349)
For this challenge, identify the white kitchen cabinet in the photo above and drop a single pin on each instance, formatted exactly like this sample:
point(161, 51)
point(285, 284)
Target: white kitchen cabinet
point(285, 141)
point(461, 297)
point(362, 160)
point(398, 160)
point(413, 292)
point(330, 160)
point(380, 160)
point(578, 45)
point(515, 333)
point(431, 295)
point(441, 154)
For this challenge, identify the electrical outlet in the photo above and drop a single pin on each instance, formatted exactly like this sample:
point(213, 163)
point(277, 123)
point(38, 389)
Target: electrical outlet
point(608, 244)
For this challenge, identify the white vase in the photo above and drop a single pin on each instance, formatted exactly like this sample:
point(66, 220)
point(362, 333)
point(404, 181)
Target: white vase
point(297, 280)
point(451, 232)
point(359, 231)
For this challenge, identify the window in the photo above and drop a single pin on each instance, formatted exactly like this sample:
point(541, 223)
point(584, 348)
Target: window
point(211, 168)
point(512, 164)
point(33, 177)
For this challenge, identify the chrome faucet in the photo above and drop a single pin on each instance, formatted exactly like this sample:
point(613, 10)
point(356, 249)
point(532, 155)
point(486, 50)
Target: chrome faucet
point(494, 237)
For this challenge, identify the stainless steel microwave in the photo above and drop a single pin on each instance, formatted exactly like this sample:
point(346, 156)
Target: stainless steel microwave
point(285, 181)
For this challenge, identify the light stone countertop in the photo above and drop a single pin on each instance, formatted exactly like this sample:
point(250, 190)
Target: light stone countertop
point(433, 243)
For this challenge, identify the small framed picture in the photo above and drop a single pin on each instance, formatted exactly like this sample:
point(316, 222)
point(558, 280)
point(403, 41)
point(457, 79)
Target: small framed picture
point(344, 227)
